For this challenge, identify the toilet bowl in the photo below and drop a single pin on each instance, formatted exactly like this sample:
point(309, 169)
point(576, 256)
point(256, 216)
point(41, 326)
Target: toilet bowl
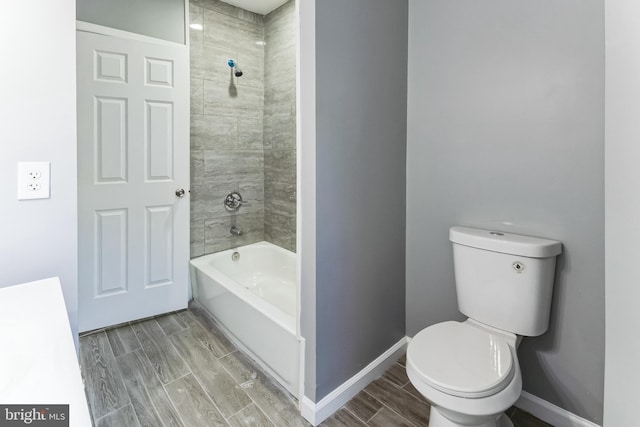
point(469, 370)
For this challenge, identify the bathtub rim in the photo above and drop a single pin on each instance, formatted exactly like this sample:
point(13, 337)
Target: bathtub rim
point(285, 321)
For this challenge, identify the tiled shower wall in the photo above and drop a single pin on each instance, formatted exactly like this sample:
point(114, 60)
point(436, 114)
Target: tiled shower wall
point(226, 126)
point(238, 144)
point(280, 127)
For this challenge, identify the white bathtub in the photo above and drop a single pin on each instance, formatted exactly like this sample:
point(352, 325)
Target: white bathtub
point(253, 299)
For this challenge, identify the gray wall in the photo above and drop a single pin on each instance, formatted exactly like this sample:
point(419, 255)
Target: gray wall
point(38, 110)
point(280, 126)
point(163, 19)
point(505, 131)
point(622, 373)
point(361, 54)
point(226, 126)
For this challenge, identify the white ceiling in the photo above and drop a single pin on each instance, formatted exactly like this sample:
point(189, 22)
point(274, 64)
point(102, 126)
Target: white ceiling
point(258, 6)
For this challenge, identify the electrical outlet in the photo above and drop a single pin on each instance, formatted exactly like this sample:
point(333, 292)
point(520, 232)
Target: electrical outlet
point(33, 180)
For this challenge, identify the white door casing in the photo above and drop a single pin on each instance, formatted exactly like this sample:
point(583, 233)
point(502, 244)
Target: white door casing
point(133, 155)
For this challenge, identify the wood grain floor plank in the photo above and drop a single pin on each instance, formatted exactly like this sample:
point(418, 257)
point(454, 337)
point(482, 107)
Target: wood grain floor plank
point(413, 409)
point(105, 390)
point(123, 417)
point(193, 403)
point(122, 340)
point(171, 323)
point(207, 331)
point(403, 360)
point(251, 416)
point(521, 418)
point(397, 374)
point(217, 382)
point(279, 406)
point(343, 418)
point(148, 397)
point(363, 405)
point(409, 388)
point(127, 391)
point(156, 346)
point(386, 418)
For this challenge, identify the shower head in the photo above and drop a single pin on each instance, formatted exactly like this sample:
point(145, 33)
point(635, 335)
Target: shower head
point(236, 70)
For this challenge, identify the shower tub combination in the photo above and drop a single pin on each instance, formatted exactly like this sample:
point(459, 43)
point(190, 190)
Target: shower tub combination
point(251, 293)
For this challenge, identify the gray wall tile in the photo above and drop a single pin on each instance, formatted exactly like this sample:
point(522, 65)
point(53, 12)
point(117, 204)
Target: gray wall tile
point(210, 62)
point(197, 238)
point(216, 5)
point(250, 133)
point(251, 61)
point(218, 238)
point(230, 32)
point(232, 121)
point(232, 100)
point(280, 126)
point(196, 16)
point(213, 132)
point(235, 163)
point(207, 200)
point(197, 166)
point(280, 197)
point(250, 17)
point(280, 230)
point(197, 96)
point(253, 194)
point(280, 165)
point(280, 131)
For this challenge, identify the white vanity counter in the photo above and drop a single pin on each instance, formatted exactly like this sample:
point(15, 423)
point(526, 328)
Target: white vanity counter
point(38, 361)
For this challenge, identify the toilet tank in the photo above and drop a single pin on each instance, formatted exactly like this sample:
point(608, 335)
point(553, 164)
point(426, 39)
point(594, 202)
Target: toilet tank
point(504, 280)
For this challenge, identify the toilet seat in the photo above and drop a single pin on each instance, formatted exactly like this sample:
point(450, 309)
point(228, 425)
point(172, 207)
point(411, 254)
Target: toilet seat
point(461, 360)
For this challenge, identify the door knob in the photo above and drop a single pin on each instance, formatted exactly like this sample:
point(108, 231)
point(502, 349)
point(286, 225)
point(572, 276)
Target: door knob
point(180, 192)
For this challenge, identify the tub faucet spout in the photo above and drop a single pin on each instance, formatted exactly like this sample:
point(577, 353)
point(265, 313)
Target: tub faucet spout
point(235, 231)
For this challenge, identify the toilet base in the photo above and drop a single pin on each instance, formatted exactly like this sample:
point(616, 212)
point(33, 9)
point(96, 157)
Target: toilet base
point(436, 419)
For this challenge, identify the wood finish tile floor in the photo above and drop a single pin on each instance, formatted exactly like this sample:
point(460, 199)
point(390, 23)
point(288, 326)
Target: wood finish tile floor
point(180, 370)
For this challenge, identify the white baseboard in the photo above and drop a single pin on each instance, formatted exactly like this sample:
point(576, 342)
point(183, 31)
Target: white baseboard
point(550, 413)
point(316, 413)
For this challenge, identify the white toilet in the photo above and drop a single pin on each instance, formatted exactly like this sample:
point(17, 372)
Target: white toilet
point(469, 370)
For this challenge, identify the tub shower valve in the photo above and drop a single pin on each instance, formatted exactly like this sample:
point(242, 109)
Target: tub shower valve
point(233, 201)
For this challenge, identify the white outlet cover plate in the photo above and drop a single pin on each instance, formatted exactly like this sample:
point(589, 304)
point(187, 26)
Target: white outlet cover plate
point(30, 188)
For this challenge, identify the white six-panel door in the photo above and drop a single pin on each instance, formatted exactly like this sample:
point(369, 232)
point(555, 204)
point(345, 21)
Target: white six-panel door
point(133, 155)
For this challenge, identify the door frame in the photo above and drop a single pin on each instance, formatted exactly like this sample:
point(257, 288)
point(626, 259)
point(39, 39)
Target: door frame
point(88, 27)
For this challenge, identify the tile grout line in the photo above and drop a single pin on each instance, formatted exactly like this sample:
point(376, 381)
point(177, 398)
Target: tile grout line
point(354, 414)
point(115, 362)
point(93, 419)
point(237, 412)
point(206, 393)
point(164, 386)
point(215, 323)
point(95, 422)
point(391, 409)
point(248, 395)
point(194, 376)
point(155, 372)
point(238, 384)
point(146, 390)
point(173, 404)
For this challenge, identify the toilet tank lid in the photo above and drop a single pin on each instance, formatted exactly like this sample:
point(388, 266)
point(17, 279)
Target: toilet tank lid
point(508, 243)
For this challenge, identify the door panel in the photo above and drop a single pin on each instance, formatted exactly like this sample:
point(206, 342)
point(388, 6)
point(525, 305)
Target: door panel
point(133, 154)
